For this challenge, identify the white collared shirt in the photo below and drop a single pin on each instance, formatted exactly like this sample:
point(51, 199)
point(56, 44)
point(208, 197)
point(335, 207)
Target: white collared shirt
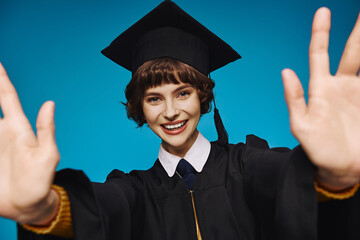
point(196, 156)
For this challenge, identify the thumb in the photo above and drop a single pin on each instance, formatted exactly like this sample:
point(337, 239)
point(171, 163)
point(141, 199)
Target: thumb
point(294, 97)
point(45, 124)
point(294, 93)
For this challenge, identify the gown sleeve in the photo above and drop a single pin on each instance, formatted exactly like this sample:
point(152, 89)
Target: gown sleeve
point(340, 219)
point(85, 211)
point(279, 185)
point(99, 210)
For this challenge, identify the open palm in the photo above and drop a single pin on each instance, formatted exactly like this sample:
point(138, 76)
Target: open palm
point(328, 127)
point(27, 162)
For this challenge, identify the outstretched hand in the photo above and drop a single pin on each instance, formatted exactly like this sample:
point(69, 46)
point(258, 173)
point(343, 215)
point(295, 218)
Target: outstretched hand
point(328, 126)
point(27, 161)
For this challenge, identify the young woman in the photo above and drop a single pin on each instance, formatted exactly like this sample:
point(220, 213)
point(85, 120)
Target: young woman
point(241, 191)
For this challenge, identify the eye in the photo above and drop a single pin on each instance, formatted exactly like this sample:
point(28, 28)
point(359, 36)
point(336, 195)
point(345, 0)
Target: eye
point(153, 99)
point(184, 94)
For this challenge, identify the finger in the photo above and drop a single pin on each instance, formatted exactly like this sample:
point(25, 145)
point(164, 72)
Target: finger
point(45, 125)
point(319, 43)
point(350, 60)
point(294, 95)
point(9, 100)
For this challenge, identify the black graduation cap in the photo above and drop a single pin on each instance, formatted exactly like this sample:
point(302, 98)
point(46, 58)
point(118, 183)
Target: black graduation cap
point(168, 31)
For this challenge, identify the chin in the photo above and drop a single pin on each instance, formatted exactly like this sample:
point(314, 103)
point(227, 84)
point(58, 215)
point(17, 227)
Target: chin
point(179, 143)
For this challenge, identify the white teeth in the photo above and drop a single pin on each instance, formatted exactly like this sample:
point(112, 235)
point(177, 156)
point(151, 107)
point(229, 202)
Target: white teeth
point(174, 126)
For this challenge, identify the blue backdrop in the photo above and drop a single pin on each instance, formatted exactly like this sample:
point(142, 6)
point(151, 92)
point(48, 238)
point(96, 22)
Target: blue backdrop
point(51, 50)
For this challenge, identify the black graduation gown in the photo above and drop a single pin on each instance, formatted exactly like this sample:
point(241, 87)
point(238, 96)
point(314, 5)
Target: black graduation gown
point(245, 191)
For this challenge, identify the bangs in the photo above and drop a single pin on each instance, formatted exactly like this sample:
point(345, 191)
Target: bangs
point(164, 71)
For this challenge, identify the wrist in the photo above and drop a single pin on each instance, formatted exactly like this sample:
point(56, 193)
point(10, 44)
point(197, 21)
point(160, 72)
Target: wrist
point(51, 208)
point(335, 182)
point(61, 225)
point(44, 212)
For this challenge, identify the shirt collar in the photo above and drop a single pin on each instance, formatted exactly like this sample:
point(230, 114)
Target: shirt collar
point(196, 156)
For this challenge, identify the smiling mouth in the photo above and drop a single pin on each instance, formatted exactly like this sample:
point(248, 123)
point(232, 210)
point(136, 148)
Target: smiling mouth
point(173, 126)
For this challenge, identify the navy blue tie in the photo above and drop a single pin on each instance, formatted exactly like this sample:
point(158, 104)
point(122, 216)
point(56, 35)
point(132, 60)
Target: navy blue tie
point(187, 172)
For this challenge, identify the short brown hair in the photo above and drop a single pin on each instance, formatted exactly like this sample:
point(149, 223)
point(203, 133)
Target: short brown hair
point(165, 70)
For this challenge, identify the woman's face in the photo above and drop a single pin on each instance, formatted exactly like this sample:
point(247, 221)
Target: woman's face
point(172, 111)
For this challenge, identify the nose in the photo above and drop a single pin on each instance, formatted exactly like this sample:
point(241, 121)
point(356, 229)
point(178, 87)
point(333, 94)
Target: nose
point(171, 112)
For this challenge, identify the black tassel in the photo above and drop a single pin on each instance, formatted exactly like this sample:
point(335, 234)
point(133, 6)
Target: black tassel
point(223, 137)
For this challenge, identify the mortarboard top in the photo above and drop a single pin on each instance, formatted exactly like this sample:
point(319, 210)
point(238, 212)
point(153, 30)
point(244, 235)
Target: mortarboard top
point(168, 31)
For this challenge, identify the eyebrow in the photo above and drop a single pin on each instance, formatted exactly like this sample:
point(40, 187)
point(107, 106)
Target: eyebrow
point(175, 90)
point(186, 85)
